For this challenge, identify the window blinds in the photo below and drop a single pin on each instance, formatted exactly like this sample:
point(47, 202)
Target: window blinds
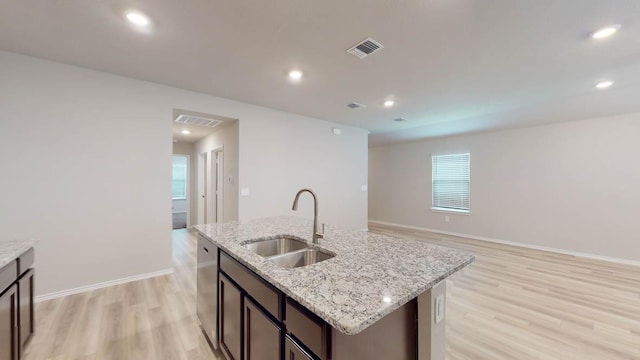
point(450, 181)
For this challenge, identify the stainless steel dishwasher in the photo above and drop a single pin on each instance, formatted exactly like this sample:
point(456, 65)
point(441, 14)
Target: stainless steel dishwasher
point(207, 289)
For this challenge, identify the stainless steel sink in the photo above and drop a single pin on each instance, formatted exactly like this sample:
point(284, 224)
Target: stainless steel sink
point(300, 258)
point(288, 251)
point(277, 246)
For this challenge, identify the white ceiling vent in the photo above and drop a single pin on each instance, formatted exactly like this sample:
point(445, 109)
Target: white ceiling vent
point(197, 120)
point(365, 48)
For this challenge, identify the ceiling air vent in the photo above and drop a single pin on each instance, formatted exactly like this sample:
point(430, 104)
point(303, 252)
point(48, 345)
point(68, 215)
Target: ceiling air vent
point(197, 120)
point(355, 105)
point(365, 48)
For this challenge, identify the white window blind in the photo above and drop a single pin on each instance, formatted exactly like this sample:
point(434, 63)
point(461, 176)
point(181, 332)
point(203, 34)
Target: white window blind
point(451, 181)
point(179, 178)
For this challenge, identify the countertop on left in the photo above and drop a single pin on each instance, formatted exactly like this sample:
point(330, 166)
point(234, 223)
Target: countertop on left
point(12, 249)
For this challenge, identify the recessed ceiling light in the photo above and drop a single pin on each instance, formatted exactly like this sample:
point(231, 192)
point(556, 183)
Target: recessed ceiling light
point(386, 299)
point(389, 103)
point(604, 84)
point(605, 32)
point(186, 132)
point(295, 75)
point(137, 18)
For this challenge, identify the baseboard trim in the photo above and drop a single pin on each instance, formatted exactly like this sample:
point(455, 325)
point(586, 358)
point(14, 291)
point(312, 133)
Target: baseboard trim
point(81, 289)
point(517, 244)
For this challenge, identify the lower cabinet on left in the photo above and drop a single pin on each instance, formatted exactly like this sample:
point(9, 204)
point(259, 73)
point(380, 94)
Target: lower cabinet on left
point(26, 321)
point(9, 347)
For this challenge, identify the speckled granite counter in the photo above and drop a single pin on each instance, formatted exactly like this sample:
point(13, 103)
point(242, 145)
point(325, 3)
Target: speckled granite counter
point(370, 276)
point(11, 250)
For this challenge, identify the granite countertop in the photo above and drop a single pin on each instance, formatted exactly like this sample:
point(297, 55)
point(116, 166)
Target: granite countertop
point(11, 250)
point(371, 275)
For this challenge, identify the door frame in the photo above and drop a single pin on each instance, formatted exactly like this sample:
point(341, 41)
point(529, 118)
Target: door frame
point(201, 193)
point(216, 185)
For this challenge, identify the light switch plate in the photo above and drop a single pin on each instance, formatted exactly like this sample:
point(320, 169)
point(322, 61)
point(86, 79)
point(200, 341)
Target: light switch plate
point(244, 192)
point(364, 188)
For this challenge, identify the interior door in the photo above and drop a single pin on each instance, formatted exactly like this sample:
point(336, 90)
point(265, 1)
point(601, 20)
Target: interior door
point(219, 186)
point(203, 170)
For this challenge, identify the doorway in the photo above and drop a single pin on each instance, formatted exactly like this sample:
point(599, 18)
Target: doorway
point(180, 191)
point(210, 186)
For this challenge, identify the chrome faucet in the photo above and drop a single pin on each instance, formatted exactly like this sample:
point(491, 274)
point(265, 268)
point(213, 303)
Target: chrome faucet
point(316, 235)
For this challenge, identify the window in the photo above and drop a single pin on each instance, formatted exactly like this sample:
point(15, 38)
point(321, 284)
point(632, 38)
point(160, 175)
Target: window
point(179, 178)
point(450, 182)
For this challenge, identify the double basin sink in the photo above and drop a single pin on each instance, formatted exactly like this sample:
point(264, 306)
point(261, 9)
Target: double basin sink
point(288, 252)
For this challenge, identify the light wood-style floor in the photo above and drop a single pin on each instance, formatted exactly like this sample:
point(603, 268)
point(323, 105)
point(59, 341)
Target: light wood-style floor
point(516, 303)
point(512, 303)
point(147, 319)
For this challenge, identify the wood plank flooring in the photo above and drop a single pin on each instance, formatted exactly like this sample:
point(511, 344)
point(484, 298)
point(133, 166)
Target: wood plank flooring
point(146, 319)
point(516, 303)
point(512, 303)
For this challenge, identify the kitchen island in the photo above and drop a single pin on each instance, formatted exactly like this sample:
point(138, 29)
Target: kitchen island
point(361, 303)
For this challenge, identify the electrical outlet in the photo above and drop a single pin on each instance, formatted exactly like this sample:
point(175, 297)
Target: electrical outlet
point(439, 309)
point(447, 218)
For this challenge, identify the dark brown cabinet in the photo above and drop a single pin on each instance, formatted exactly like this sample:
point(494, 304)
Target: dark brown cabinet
point(16, 306)
point(9, 347)
point(230, 319)
point(261, 335)
point(293, 352)
point(26, 324)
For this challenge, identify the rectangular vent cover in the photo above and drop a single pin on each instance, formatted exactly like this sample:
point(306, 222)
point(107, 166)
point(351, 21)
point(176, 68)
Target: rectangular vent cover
point(197, 120)
point(365, 48)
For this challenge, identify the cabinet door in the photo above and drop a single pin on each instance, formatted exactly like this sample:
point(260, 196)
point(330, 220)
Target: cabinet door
point(261, 336)
point(9, 324)
point(293, 352)
point(25, 308)
point(230, 319)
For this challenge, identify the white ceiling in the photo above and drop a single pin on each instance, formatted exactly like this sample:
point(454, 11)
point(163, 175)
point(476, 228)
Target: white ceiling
point(453, 66)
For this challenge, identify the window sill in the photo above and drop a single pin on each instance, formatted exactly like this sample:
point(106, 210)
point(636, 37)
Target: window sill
point(451, 211)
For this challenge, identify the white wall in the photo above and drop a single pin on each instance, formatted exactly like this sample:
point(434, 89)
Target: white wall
point(573, 186)
point(281, 154)
point(227, 138)
point(75, 142)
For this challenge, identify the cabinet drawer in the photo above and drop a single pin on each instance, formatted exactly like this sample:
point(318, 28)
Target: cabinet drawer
point(8, 274)
point(308, 328)
point(263, 293)
point(25, 261)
